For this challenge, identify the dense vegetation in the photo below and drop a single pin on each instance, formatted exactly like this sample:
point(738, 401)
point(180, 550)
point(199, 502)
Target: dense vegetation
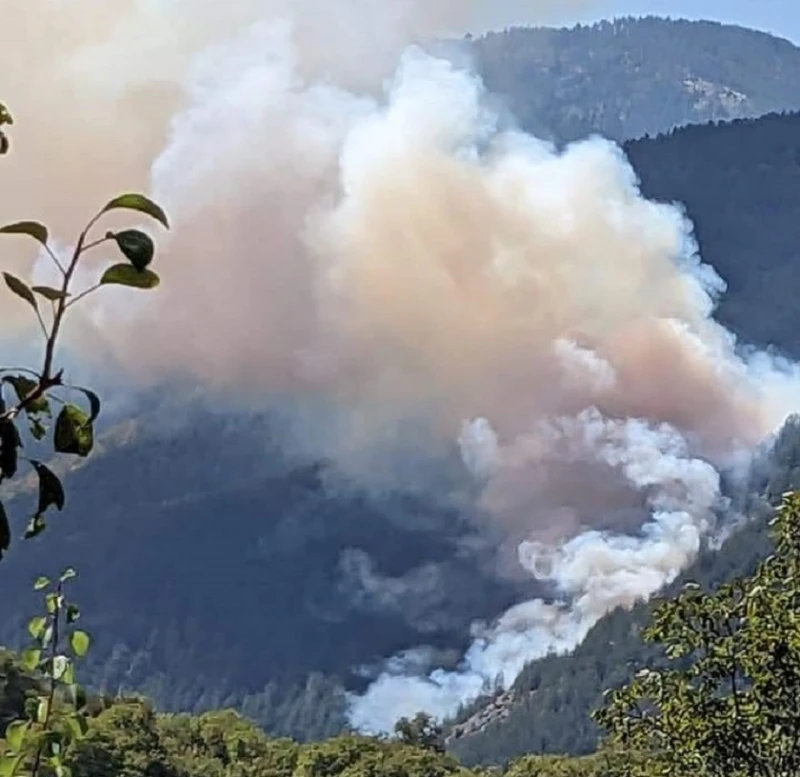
point(127, 738)
point(276, 568)
point(634, 77)
point(726, 702)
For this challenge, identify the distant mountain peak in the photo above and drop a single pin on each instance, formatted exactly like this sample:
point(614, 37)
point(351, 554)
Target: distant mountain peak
point(632, 77)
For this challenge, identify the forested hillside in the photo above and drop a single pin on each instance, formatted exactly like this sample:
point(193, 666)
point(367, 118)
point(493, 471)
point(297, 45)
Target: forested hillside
point(691, 726)
point(739, 183)
point(633, 77)
point(221, 528)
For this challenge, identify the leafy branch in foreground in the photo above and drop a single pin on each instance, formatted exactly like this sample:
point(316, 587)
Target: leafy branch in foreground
point(28, 394)
point(37, 744)
point(728, 704)
point(56, 715)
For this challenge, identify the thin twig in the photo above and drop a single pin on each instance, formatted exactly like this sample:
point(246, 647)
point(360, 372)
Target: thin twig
point(55, 259)
point(52, 690)
point(82, 295)
point(96, 243)
point(41, 323)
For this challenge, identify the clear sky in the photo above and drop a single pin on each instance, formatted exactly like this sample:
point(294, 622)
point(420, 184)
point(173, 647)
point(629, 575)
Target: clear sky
point(781, 17)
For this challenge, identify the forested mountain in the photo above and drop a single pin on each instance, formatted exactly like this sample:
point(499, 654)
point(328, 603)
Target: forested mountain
point(633, 77)
point(222, 572)
point(740, 185)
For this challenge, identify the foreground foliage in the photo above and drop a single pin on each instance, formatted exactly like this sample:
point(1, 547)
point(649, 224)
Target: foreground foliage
point(51, 716)
point(728, 703)
point(127, 738)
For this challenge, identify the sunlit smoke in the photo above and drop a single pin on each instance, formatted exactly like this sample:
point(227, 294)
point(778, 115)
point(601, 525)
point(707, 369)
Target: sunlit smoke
point(354, 228)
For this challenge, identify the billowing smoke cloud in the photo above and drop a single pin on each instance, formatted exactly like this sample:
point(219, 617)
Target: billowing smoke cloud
point(594, 572)
point(370, 240)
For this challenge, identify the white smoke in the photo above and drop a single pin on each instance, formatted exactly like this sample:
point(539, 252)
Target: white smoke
point(594, 573)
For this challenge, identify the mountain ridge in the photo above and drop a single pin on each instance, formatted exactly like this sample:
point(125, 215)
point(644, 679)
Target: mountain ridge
point(634, 77)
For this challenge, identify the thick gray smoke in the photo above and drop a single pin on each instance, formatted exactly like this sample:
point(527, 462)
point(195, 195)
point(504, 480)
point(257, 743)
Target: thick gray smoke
point(366, 238)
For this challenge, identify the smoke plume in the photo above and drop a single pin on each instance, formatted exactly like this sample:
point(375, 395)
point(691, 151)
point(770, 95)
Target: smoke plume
point(353, 228)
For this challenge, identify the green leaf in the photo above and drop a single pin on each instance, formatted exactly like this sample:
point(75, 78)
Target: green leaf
point(41, 583)
point(10, 444)
point(42, 710)
point(73, 613)
point(35, 527)
point(127, 275)
point(54, 602)
point(139, 203)
point(60, 768)
point(78, 724)
point(137, 246)
point(15, 734)
point(68, 574)
point(48, 292)
point(20, 289)
point(5, 531)
point(79, 642)
point(94, 402)
point(31, 228)
point(61, 665)
point(37, 429)
point(9, 765)
point(30, 659)
point(37, 625)
point(68, 678)
point(74, 433)
point(24, 387)
point(51, 492)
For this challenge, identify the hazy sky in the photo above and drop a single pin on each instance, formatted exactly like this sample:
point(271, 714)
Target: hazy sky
point(781, 17)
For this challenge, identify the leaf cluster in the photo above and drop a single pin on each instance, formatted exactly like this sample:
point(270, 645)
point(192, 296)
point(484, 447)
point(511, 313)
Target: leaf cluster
point(55, 717)
point(728, 703)
point(29, 396)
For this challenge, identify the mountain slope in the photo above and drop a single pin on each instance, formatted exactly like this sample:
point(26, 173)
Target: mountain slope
point(549, 706)
point(740, 185)
point(633, 77)
point(216, 570)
